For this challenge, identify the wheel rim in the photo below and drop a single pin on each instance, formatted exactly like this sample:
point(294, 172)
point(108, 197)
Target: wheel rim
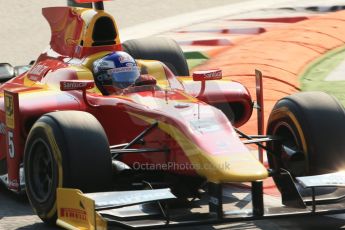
point(291, 155)
point(41, 171)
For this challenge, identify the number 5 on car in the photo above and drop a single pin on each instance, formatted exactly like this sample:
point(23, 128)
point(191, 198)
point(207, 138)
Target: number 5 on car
point(12, 132)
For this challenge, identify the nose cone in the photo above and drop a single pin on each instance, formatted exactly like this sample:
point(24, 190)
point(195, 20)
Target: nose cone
point(219, 156)
point(235, 167)
point(210, 143)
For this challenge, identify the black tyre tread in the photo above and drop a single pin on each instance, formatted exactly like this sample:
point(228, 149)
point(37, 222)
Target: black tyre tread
point(74, 124)
point(86, 159)
point(161, 49)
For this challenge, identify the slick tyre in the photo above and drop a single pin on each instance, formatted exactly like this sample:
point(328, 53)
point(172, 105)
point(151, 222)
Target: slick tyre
point(161, 49)
point(65, 149)
point(311, 126)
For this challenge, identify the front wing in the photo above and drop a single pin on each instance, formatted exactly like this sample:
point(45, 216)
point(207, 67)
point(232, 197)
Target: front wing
point(148, 209)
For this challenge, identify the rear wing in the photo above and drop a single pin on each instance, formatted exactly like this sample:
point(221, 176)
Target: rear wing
point(79, 211)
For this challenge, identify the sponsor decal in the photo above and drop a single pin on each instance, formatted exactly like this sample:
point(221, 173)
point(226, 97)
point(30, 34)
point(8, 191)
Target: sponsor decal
point(207, 75)
point(217, 75)
point(37, 71)
point(74, 85)
point(9, 110)
point(72, 213)
point(106, 64)
point(129, 64)
point(123, 69)
point(125, 58)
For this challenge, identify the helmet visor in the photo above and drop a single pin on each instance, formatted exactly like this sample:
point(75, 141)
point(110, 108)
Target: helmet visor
point(124, 76)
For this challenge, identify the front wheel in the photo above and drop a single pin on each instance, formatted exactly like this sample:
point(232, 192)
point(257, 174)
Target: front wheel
point(311, 126)
point(65, 149)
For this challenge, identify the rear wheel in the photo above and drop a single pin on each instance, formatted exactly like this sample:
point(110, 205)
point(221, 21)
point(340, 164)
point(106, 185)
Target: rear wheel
point(312, 128)
point(161, 49)
point(65, 149)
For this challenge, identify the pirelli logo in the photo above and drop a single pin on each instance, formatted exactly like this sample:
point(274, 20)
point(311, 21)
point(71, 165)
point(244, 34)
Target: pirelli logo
point(9, 107)
point(72, 213)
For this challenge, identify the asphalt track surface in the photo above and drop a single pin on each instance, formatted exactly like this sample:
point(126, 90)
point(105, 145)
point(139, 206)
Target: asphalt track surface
point(20, 41)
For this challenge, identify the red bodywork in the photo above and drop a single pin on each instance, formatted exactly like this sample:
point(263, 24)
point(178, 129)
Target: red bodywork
point(182, 106)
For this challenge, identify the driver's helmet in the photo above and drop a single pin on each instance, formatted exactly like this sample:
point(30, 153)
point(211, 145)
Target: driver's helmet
point(115, 71)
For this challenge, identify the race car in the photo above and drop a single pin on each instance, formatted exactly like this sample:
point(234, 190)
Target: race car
point(83, 153)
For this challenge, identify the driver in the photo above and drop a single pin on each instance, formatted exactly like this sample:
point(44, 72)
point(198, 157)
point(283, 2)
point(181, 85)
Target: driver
point(116, 72)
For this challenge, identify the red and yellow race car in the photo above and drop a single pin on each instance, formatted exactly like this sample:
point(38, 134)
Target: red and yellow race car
point(78, 122)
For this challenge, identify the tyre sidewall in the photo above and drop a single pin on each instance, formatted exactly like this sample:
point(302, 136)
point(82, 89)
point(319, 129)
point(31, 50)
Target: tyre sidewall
point(282, 116)
point(44, 131)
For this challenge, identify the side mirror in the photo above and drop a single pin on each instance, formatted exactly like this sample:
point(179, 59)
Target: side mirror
point(206, 75)
point(83, 85)
point(6, 72)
